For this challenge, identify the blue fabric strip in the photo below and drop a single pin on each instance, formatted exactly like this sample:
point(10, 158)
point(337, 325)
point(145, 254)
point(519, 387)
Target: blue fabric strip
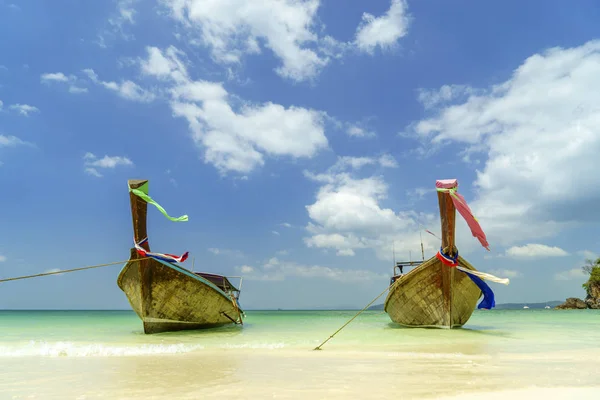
point(488, 301)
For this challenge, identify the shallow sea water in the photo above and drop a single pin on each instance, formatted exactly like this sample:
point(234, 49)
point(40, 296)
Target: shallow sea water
point(104, 354)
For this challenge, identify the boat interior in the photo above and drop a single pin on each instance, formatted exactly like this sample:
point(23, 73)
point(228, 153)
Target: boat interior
point(222, 282)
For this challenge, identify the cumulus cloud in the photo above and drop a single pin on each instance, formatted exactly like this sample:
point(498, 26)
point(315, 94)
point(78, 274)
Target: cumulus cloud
point(24, 109)
point(289, 29)
point(534, 250)
point(92, 163)
point(539, 134)
point(233, 28)
point(126, 89)
point(355, 163)
point(11, 141)
point(355, 130)
point(347, 215)
point(123, 16)
point(383, 31)
point(125, 13)
point(436, 97)
point(278, 270)
point(246, 269)
point(62, 79)
point(234, 138)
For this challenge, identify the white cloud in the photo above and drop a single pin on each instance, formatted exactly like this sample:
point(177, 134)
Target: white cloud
point(126, 89)
point(92, 163)
point(1, 105)
point(387, 161)
point(286, 224)
point(233, 28)
point(77, 90)
point(60, 78)
point(2, 258)
point(383, 31)
point(125, 13)
point(433, 98)
point(11, 141)
point(235, 139)
point(117, 23)
point(419, 193)
point(226, 252)
point(277, 270)
point(539, 132)
point(246, 269)
point(24, 109)
point(358, 131)
point(534, 250)
point(505, 273)
point(54, 76)
point(347, 215)
point(344, 162)
point(575, 273)
point(275, 233)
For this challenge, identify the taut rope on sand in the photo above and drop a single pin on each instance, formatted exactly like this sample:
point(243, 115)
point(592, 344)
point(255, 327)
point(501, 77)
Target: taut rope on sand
point(351, 319)
point(71, 270)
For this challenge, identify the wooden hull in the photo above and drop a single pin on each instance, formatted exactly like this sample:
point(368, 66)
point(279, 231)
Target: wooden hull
point(433, 295)
point(167, 297)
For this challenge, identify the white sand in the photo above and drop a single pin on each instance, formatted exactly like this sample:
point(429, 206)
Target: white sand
point(587, 393)
point(280, 374)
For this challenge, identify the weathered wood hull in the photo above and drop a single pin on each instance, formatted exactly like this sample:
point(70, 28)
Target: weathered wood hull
point(433, 295)
point(168, 297)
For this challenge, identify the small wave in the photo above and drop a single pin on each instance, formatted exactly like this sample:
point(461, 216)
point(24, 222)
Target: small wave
point(69, 349)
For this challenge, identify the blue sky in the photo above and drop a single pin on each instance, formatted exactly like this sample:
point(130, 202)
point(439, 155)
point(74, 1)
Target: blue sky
point(302, 138)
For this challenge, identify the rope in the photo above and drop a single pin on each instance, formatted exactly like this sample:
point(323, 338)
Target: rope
point(70, 270)
point(351, 319)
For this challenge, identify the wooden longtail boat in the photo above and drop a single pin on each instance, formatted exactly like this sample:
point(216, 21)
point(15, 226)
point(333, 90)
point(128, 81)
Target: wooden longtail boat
point(166, 296)
point(434, 294)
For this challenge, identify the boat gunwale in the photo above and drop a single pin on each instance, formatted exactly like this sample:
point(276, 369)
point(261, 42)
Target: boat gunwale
point(188, 273)
point(397, 283)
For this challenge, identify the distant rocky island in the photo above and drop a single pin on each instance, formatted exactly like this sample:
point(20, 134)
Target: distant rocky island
point(591, 287)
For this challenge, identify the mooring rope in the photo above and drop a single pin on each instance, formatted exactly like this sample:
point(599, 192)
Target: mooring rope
point(70, 270)
point(351, 319)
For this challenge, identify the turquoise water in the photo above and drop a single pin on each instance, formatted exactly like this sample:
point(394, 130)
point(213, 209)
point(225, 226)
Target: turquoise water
point(105, 355)
point(114, 333)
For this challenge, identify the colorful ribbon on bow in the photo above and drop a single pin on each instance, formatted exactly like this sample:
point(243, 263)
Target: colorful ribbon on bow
point(158, 256)
point(450, 187)
point(142, 192)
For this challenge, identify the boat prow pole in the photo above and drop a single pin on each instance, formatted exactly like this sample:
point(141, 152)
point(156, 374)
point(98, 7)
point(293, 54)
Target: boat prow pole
point(448, 225)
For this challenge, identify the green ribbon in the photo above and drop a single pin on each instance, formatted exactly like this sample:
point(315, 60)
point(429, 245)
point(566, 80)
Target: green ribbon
point(142, 192)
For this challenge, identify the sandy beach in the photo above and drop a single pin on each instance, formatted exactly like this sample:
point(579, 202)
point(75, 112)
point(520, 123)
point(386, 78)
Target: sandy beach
point(285, 374)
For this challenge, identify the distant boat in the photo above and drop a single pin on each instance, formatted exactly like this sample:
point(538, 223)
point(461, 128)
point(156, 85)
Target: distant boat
point(525, 307)
point(166, 296)
point(547, 307)
point(441, 292)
